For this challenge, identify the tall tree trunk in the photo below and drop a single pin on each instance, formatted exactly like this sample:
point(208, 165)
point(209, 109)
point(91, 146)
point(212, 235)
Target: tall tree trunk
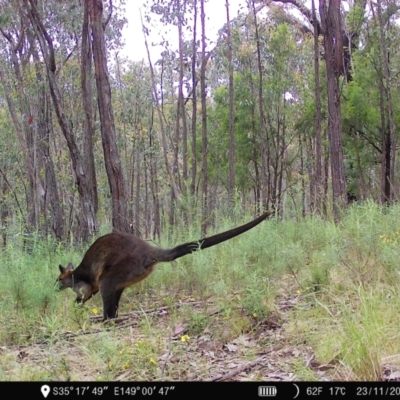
point(4, 210)
point(194, 101)
point(389, 140)
point(204, 144)
point(317, 170)
point(257, 188)
point(386, 143)
point(332, 31)
point(51, 193)
point(108, 134)
point(51, 197)
point(154, 190)
point(231, 157)
point(263, 131)
point(146, 206)
point(87, 103)
point(181, 112)
point(137, 194)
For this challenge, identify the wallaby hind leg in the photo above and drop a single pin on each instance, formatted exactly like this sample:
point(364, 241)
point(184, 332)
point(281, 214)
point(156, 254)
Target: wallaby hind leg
point(110, 296)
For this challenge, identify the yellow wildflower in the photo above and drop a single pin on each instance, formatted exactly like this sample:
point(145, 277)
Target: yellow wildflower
point(153, 361)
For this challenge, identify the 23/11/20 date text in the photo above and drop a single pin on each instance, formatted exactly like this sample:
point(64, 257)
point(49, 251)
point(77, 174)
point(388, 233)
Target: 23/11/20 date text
point(378, 391)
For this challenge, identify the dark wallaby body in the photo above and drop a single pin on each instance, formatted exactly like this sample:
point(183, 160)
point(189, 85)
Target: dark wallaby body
point(118, 260)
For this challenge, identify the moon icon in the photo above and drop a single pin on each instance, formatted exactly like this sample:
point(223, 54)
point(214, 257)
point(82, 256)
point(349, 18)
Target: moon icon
point(298, 391)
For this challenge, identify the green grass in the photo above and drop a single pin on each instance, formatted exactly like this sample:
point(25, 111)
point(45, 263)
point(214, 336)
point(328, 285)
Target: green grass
point(344, 280)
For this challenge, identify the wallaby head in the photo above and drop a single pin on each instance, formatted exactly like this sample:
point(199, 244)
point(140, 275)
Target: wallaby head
point(66, 280)
point(118, 260)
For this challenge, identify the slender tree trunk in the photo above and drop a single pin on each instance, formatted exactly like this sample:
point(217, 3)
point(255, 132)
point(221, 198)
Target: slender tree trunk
point(390, 137)
point(87, 103)
point(146, 205)
point(263, 132)
point(231, 157)
point(282, 158)
point(181, 101)
point(194, 101)
point(51, 197)
point(331, 27)
point(4, 210)
point(386, 144)
point(112, 159)
point(303, 182)
point(137, 194)
point(257, 189)
point(154, 183)
point(317, 182)
point(385, 133)
point(204, 142)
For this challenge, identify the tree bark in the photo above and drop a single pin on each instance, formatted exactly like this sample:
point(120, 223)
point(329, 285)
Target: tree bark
point(194, 102)
point(204, 141)
point(389, 138)
point(115, 176)
point(317, 182)
point(332, 31)
point(263, 132)
point(51, 197)
point(231, 156)
point(87, 103)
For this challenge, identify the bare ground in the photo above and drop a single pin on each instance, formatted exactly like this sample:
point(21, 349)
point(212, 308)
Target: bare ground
point(265, 353)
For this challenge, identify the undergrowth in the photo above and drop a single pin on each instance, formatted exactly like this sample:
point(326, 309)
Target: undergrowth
point(343, 277)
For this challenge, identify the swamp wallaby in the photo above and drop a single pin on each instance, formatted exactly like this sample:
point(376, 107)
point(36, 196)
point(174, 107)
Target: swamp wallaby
point(118, 260)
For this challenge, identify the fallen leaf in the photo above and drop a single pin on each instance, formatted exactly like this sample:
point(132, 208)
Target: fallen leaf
point(231, 347)
point(178, 329)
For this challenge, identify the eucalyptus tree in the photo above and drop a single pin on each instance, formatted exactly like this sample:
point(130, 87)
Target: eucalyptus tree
point(330, 26)
point(231, 181)
point(277, 59)
point(371, 110)
point(29, 110)
point(43, 40)
point(389, 138)
point(134, 110)
point(112, 160)
point(38, 19)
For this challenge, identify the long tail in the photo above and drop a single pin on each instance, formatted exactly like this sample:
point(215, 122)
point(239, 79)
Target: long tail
point(190, 247)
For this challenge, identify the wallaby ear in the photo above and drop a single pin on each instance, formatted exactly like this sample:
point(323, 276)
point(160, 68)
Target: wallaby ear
point(61, 268)
point(70, 267)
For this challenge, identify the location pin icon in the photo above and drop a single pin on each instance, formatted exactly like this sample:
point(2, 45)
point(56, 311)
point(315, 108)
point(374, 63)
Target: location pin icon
point(45, 389)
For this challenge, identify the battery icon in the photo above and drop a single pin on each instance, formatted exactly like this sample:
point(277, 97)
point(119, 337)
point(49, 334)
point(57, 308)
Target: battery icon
point(267, 391)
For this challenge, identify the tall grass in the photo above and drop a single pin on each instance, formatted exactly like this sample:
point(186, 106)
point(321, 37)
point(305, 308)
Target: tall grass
point(344, 276)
